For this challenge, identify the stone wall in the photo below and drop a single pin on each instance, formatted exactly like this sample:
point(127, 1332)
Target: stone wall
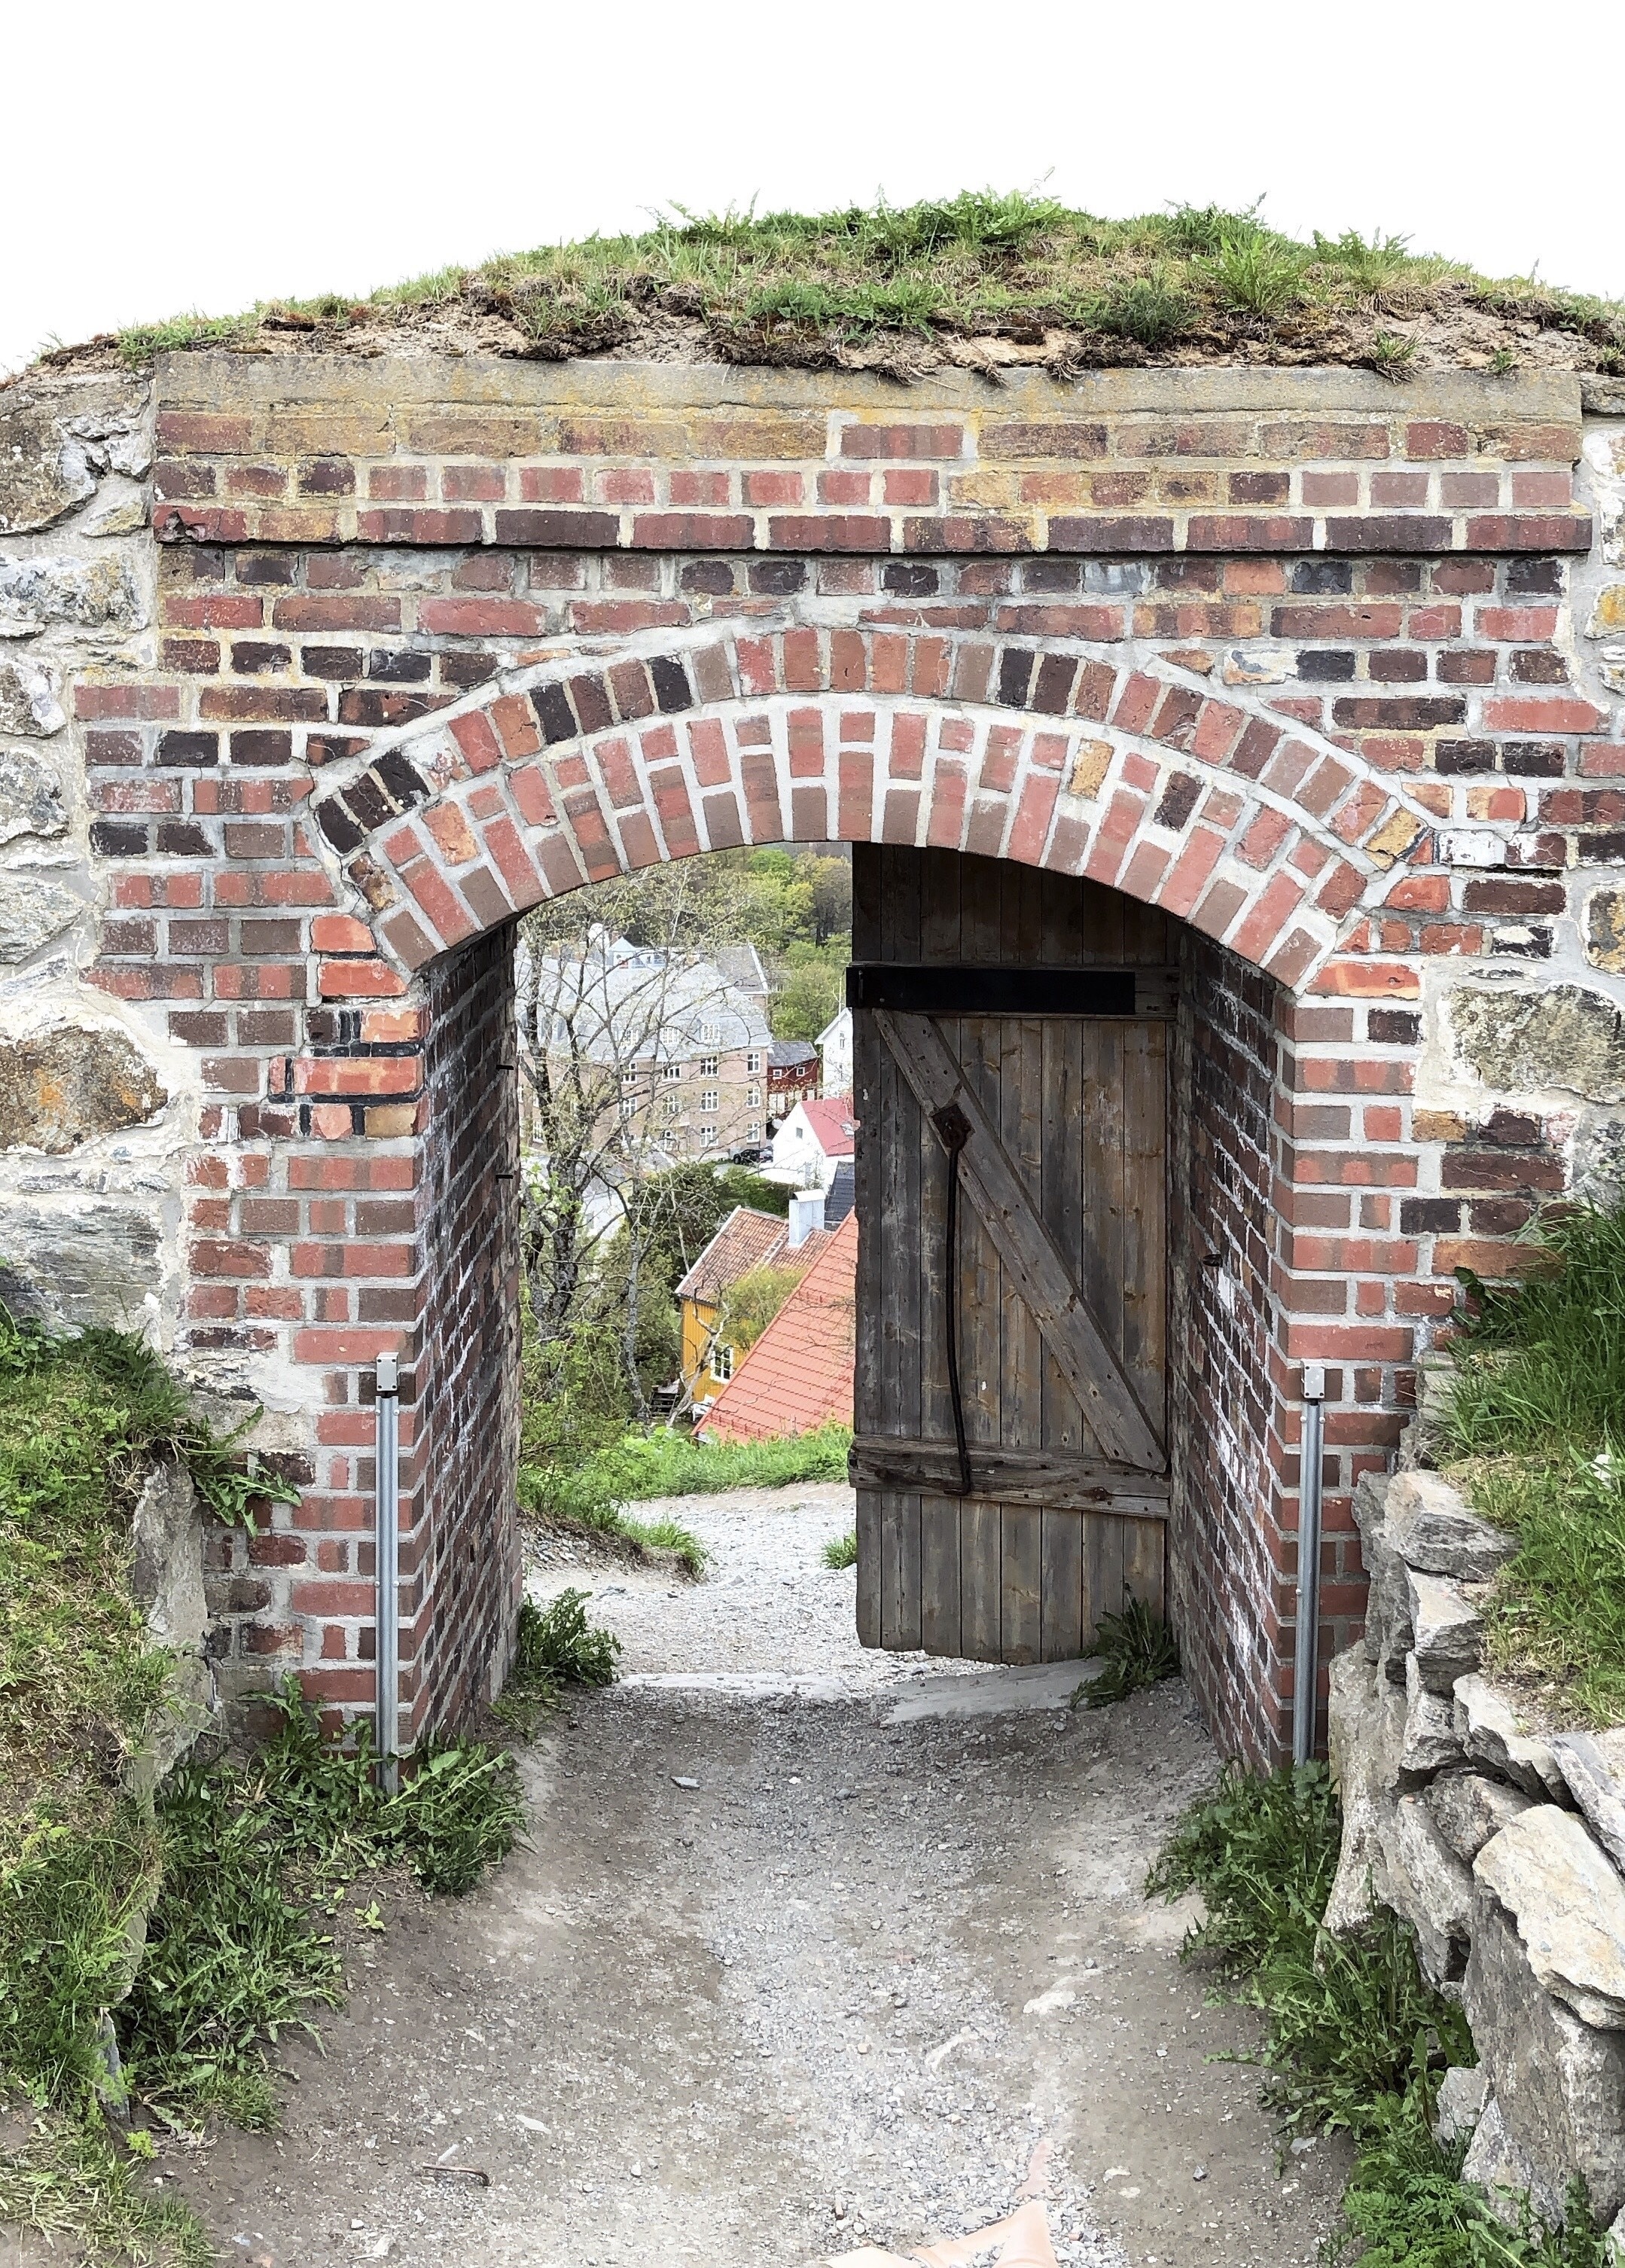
point(1499, 1846)
point(1327, 666)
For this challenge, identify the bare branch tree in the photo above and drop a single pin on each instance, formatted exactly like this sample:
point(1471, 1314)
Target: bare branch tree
point(614, 987)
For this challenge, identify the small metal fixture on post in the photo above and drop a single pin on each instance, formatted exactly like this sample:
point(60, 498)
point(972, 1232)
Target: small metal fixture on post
point(1306, 1668)
point(387, 1637)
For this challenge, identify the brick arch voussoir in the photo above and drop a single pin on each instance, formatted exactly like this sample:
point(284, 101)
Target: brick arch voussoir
point(1050, 751)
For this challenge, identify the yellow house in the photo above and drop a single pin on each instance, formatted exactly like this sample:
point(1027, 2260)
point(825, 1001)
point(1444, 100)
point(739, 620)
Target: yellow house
point(747, 1239)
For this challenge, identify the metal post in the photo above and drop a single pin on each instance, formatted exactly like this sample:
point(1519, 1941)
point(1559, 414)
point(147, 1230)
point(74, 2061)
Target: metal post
point(1306, 1671)
point(387, 1638)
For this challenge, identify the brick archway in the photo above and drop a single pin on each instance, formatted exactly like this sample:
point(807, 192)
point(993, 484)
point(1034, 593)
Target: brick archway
point(1265, 835)
point(1294, 656)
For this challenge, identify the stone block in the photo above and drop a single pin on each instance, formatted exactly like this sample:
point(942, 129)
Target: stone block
point(1523, 1042)
point(1431, 1742)
point(28, 703)
point(31, 795)
point(167, 1565)
point(45, 471)
point(1594, 1771)
point(167, 1581)
point(1435, 1530)
point(72, 1263)
point(1558, 2086)
point(66, 1087)
point(86, 594)
point(1468, 1808)
point(1365, 1737)
point(1446, 1630)
point(1460, 2102)
point(34, 908)
point(1429, 1888)
point(1490, 1733)
point(1498, 2164)
point(1569, 1906)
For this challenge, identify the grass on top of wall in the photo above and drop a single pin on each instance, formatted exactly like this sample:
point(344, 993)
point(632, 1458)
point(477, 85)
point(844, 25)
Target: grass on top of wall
point(1193, 283)
point(1534, 1430)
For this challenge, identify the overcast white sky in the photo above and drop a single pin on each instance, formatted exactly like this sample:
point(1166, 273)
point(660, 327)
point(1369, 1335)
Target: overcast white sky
point(171, 155)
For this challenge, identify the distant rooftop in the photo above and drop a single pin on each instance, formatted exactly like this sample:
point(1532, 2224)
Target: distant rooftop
point(798, 1375)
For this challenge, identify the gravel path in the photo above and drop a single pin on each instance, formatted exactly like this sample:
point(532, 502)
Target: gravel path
point(811, 1949)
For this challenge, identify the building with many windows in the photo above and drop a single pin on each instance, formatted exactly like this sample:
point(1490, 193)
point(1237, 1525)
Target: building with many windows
point(662, 1039)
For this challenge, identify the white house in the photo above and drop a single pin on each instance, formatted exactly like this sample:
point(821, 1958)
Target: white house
point(813, 1140)
point(834, 1047)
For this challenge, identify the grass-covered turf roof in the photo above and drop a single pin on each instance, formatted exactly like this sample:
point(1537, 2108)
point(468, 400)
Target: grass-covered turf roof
point(980, 280)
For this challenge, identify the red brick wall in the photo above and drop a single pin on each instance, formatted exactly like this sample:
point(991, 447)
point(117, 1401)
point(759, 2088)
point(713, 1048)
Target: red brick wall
point(461, 1608)
point(1222, 1248)
point(1301, 679)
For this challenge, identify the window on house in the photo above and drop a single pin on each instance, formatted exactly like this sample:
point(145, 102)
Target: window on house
point(629, 1107)
point(708, 1101)
point(629, 1079)
point(722, 1363)
point(753, 1132)
point(752, 1061)
point(670, 1107)
point(709, 1065)
point(709, 1033)
point(753, 1097)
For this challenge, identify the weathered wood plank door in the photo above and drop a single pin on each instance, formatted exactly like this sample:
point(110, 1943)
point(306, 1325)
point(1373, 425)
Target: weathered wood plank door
point(970, 1031)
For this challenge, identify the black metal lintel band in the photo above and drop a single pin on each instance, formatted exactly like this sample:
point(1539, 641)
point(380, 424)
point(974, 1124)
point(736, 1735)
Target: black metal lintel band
point(962, 988)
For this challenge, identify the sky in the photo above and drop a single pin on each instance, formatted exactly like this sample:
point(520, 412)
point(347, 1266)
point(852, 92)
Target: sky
point(173, 155)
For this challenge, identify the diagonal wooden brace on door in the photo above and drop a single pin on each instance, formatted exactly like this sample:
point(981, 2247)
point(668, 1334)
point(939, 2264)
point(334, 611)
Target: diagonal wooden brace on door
point(1025, 1245)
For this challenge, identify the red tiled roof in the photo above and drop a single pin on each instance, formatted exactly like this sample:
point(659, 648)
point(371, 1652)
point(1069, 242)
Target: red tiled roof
point(747, 1239)
point(833, 1125)
point(798, 1375)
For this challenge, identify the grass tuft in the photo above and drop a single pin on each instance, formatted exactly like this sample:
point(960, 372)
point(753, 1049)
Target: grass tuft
point(1534, 1423)
point(1540, 1365)
point(557, 1643)
point(1139, 1650)
point(841, 1551)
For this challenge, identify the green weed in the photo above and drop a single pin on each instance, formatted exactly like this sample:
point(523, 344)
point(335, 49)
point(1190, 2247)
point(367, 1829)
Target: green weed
point(1146, 308)
point(558, 1642)
point(670, 1535)
point(1532, 1419)
point(1139, 1650)
point(841, 1551)
point(1254, 272)
point(1556, 1611)
point(1390, 356)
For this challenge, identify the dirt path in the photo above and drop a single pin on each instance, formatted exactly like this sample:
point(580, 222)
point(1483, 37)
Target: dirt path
point(784, 1973)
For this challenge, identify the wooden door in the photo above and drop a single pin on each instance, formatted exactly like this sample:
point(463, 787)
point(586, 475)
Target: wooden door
point(1037, 1008)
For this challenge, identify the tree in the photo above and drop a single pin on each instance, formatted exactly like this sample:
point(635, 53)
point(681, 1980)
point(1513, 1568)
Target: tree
point(810, 993)
point(830, 884)
point(751, 1302)
point(596, 1019)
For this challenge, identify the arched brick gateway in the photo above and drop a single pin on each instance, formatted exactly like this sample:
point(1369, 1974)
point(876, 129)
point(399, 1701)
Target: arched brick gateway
point(1300, 658)
point(1264, 834)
